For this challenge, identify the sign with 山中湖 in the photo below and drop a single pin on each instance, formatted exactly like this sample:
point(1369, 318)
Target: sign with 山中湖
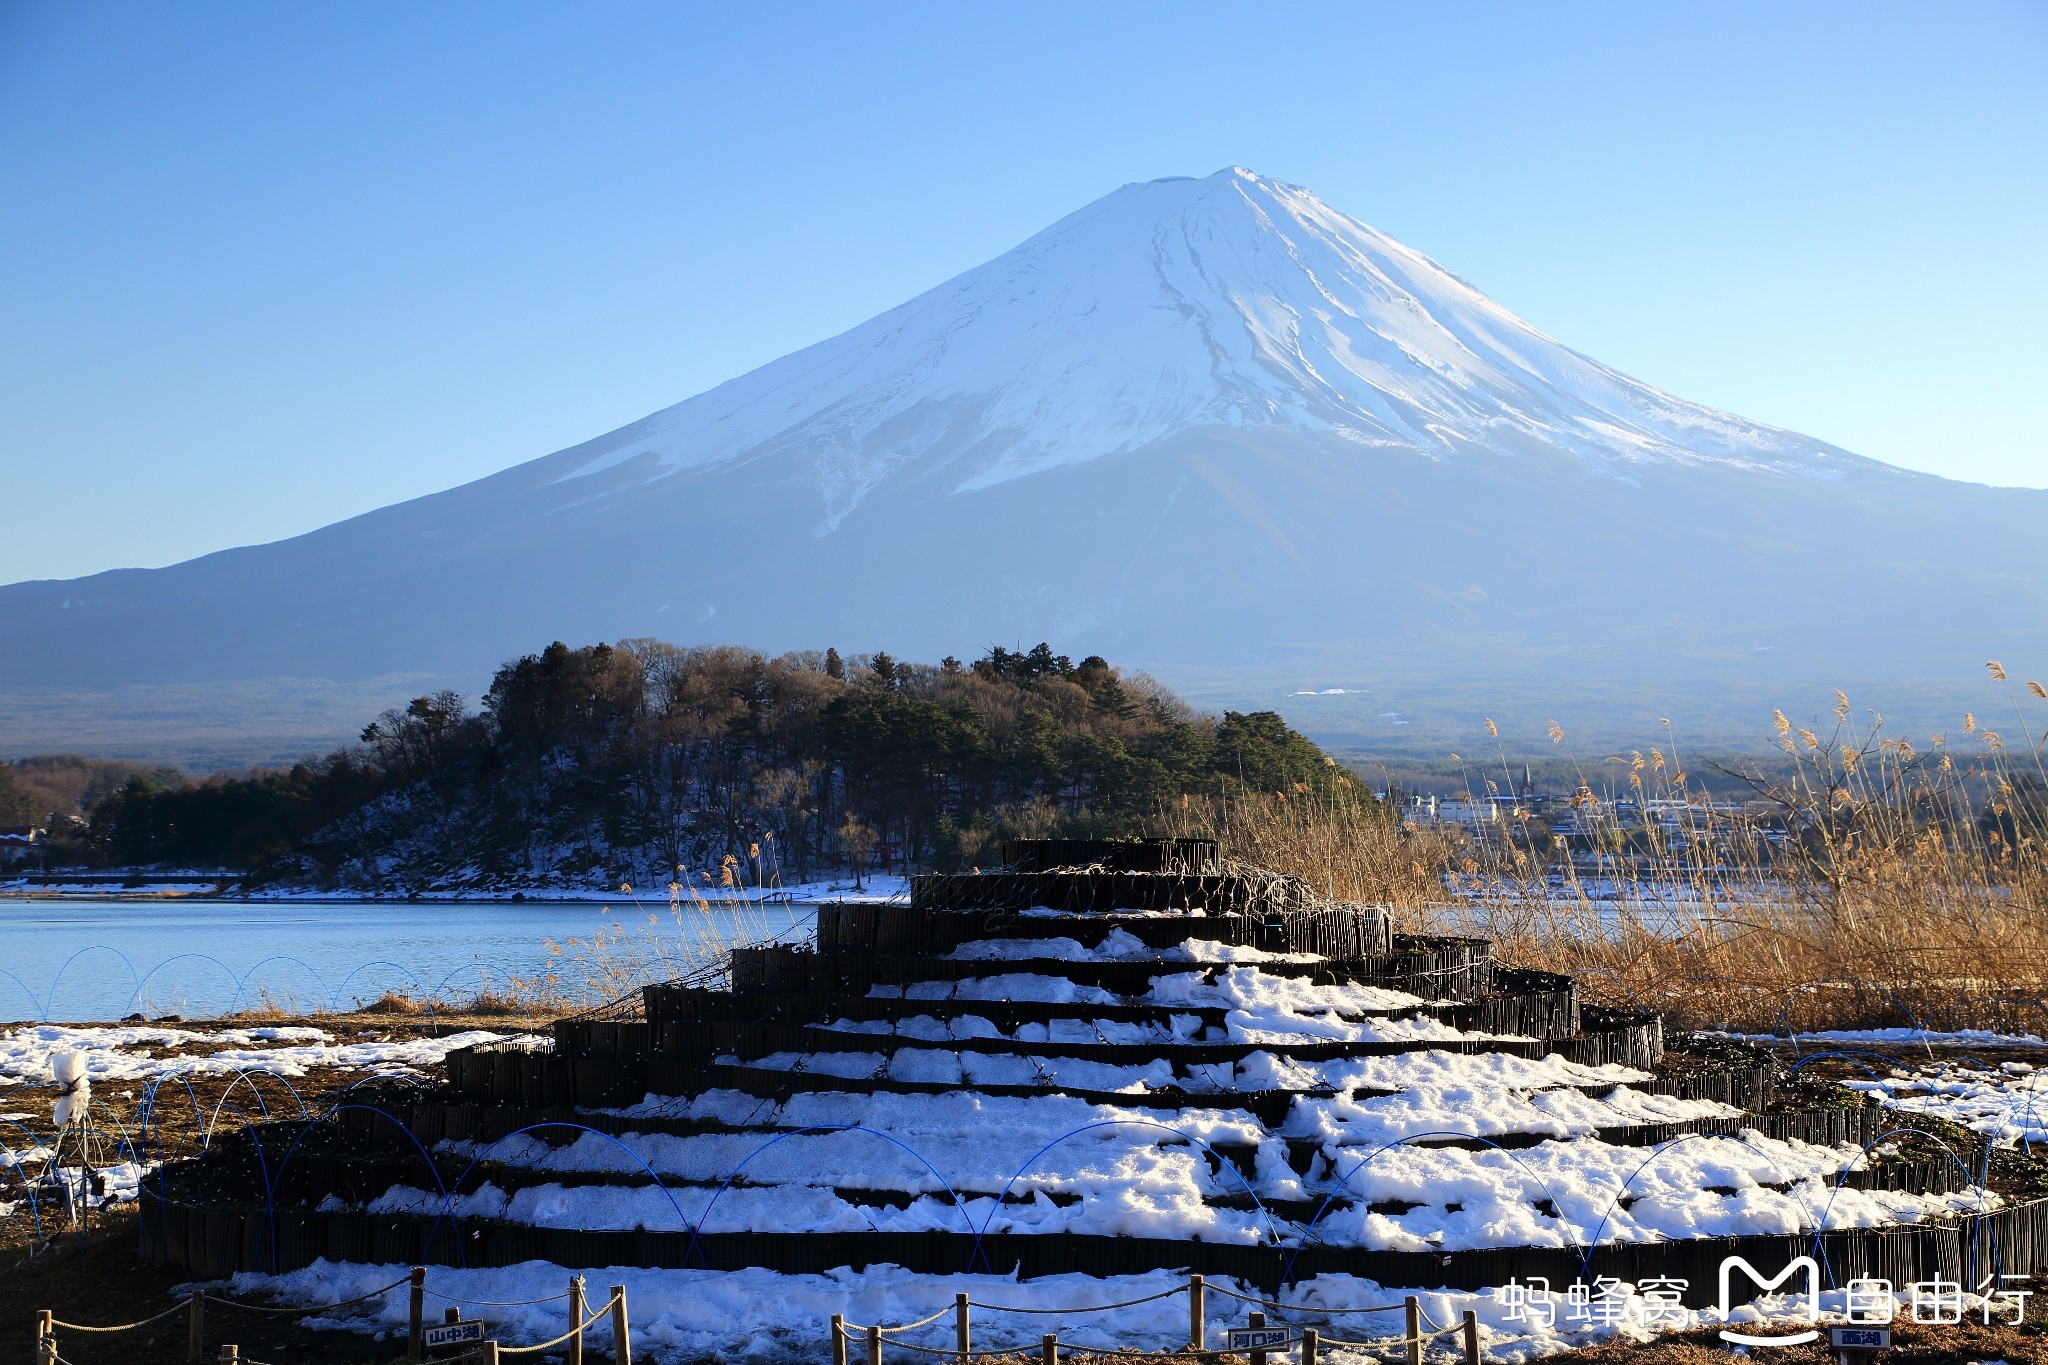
point(452, 1334)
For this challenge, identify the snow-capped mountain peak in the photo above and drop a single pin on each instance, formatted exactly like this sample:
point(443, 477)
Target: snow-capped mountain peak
point(1172, 306)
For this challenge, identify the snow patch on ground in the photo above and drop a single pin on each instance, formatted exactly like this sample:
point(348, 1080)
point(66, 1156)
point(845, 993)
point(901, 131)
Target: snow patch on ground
point(126, 1052)
point(2007, 1103)
point(1912, 1037)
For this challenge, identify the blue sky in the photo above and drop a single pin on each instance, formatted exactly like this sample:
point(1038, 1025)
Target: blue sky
point(266, 266)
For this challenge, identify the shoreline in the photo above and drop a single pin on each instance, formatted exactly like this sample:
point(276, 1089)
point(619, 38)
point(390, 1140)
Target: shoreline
point(208, 891)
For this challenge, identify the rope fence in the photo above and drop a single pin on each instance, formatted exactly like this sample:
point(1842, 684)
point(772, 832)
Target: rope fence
point(474, 1333)
point(123, 1327)
point(907, 1326)
point(603, 1310)
point(1084, 1308)
point(871, 1337)
point(315, 1308)
point(452, 1330)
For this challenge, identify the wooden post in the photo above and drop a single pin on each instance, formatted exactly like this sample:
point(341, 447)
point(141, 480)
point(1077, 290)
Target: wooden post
point(1198, 1330)
point(1414, 1315)
point(960, 1327)
point(230, 1354)
point(1256, 1320)
point(195, 1327)
point(1471, 1337)
point(622, 1332)
point(1049, 1349)
point(573, 1352)
point(839, 1339)
point(1308, 1345)
point(450, 1315)
point(490, 1356)
point(415, 1344)
point(46, 1337)
point(874, 1346)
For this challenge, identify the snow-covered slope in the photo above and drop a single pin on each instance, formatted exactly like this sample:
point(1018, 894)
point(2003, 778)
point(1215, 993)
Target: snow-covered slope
point(1210, 426)
point(1233, 301)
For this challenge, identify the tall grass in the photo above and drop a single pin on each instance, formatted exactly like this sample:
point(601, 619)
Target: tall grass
point(1338, 839)
point(1862, 882)
point(689, 936)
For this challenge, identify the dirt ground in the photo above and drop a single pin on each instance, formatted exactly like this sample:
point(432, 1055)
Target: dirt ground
point(96, 1277)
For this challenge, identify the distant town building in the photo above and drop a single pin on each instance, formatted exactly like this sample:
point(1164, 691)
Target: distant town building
point(1473, 812)
point(22, 846)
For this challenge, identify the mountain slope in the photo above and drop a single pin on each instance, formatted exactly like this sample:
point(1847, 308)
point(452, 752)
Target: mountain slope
point(1213, 425)
point(1229, 302)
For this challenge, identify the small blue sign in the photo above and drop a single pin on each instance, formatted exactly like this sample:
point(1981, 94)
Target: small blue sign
point(453, 1334)
point(1861, 1338)
point(1258, 1339)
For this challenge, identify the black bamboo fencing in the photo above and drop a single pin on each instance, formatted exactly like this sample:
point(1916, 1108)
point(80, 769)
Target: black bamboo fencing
point(219, 1242)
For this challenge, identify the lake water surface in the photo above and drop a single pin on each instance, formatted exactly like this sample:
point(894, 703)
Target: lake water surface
point(79, 959)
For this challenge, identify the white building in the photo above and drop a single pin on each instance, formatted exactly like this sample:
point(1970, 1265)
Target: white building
point(22, 846)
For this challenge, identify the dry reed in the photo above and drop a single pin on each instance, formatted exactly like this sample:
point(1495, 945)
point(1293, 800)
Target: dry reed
point(689, 937)
point(1339, 840)
point(1876, 884)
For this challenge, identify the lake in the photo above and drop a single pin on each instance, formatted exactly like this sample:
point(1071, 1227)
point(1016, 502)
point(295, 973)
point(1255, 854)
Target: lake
point(79, 959)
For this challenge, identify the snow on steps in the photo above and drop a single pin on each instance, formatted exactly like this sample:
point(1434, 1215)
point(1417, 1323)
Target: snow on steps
point(1031, 1093)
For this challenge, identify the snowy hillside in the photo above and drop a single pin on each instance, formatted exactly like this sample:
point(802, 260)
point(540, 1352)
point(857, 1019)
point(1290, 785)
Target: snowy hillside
point(1233, 301)
point(1213, 427)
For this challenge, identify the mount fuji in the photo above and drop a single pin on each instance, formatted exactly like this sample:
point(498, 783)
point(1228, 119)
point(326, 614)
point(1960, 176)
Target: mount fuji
point(1212, 427)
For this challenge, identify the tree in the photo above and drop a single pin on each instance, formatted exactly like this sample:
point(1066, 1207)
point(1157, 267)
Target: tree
point(420, 739)
point(17, 802)
point(1106, 691)
point(1042, 662)
point(562, 692)
point(1259, 750)
point(994, 665)
point(896, 752)
point(858, 839)
point(1034, 756)
point(835, 667)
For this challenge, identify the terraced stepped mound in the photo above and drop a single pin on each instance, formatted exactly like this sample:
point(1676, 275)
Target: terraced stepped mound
point(1106, 1059)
